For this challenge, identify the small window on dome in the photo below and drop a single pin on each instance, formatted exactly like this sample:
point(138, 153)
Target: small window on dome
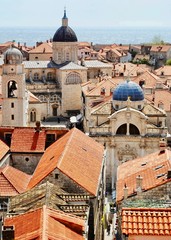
point(116, 106)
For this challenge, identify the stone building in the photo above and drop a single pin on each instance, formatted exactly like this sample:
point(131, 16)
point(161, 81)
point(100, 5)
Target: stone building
point(126, 124)
point(76, 163)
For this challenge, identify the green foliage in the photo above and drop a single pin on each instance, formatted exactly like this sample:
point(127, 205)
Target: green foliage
point(141, 61)
point(158, 40)
point(168, 62)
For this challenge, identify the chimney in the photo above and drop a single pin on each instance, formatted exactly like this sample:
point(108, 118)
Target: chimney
point(38, 128)
point(8, 233)
point(139, 181)
point(169, 174)
point(125, 190)
point(0, 227)
point(162, 145)
point(18, 44)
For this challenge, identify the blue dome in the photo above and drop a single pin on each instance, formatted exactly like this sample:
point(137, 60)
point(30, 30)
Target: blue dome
point(128, 89)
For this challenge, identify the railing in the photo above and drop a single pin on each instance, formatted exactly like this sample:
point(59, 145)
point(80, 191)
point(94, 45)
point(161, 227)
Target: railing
point(100, 131)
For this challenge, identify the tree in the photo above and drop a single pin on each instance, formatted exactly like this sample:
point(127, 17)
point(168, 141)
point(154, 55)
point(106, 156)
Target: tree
point(168, 62)
point(158, 40)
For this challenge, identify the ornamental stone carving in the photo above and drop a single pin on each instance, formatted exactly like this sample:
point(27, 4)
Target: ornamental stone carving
point(127, 153)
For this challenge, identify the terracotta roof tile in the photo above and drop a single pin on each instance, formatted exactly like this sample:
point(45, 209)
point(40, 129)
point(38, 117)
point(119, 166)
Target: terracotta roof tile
point(3, 149)
point(28, 140)
point(46, 223)
point(71, 154)
point(142, 226)
point(42, 48)
point(149, 78)
point(162, 97)
point(12, 181)
point(153, 168)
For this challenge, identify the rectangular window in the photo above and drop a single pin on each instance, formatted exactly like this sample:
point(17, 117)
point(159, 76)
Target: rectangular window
point(12, 105)
point(7, 137)
point(56, 175)
point(50, 138)
point(12, 117)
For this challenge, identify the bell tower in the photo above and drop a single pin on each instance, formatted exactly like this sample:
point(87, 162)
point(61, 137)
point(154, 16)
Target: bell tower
point(14, 94)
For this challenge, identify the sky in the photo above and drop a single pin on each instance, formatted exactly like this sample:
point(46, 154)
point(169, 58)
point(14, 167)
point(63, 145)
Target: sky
point(87, 13)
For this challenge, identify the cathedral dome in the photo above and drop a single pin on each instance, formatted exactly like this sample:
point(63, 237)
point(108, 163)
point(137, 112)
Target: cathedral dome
point(65, 33)
point(128, 89)
point(13, 56)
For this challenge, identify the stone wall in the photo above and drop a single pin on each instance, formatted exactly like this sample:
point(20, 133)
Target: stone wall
point(25, 162)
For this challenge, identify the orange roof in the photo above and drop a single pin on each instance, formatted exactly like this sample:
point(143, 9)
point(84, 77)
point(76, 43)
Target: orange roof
point(28, 140)
point(45, 223)
point(12, 181)
point(160, 48)
point(33, 98)
point(42, 48)
point(71, 154)
point(106, 83)
point(153, 168)
point(149, 78)
point(3, 149)
point(165, 70)
point(146, 221)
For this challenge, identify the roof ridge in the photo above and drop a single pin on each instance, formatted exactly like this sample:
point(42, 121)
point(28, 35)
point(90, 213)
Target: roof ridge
point(43, 222)
point(66, 147)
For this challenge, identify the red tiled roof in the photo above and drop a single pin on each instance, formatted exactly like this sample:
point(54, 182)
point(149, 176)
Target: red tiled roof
point(45, 223)
point(33, 98)
point(153, 168)
point(77, 156)
point(162, 97)
point(42, 48)
point(149, 78)
point(12, 181)
point(3, 149)
point(146, 221)
point(28, 140)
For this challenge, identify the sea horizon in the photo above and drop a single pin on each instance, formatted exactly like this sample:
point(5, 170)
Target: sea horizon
point(96, 35)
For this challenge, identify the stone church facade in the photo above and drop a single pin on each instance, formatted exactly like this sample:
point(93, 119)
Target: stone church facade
point(127, 125)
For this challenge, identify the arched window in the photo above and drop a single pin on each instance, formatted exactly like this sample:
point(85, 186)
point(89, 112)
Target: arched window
point(50, 76)
point(59, 56)
point(67, 56)
point(36, 76)
point(73, 78)
point(12, 89)
point(55, 110)
point(133, 130)
point(33, 115)
point(122, 130)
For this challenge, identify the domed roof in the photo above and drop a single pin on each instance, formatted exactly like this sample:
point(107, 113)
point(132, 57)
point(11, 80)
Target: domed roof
point(13, 56)
point(128, 89)
point(65, 33)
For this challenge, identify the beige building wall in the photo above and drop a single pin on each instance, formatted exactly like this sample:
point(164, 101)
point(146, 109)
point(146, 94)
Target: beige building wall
point(71, 93)
point(40, 56)
point(64, 52)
